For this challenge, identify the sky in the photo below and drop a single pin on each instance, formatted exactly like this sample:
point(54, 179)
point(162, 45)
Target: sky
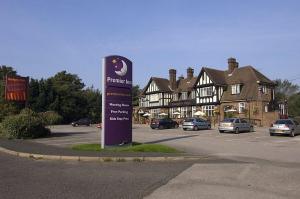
point(40, 38)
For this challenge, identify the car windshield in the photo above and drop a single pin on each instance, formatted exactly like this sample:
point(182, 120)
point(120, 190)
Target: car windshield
point(228, 120)
point(283, 122)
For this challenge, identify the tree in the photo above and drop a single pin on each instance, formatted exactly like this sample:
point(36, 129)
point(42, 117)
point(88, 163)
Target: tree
point(68, 99)
point(294, 105)
point(135, 95)
point(284, 89)
point(94, 104)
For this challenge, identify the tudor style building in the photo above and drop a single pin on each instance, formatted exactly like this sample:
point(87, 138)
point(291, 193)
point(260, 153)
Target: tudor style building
point(155, 97)
point(238, 91)
point(176, 98)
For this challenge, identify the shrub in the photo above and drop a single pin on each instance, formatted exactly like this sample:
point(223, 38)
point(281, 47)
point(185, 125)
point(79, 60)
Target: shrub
point(27, 124)
point(51, 118)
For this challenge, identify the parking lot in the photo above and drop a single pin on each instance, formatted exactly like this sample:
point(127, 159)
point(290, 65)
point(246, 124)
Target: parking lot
point(258, 144)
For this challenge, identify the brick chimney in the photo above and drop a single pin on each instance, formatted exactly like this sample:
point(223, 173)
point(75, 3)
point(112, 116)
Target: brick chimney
point(189, 73)
point(232, 64)
point(172, 78)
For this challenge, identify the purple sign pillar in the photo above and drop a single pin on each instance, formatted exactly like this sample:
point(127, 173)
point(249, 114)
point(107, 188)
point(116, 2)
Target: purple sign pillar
point(116, 101)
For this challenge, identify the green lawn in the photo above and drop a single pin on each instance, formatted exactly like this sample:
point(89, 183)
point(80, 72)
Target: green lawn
point(135, 147)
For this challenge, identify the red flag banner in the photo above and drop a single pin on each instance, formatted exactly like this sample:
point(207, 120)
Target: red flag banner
point(16, 88)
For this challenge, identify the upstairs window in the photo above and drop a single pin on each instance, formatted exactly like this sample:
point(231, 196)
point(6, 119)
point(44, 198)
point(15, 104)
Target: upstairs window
point(175, 97)
point(193, 95)
point(184, 95)
point(235, 89)
point(206, 91)
point(154, 97)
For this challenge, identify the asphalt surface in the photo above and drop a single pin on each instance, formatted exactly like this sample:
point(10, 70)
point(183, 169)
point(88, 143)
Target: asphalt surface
point(35, 179)
point(248, 165)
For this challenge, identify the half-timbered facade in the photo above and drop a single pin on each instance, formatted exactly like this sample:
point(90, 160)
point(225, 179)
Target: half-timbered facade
point(240, 91)
point(209, 88)
point(183, 103)
point(155, 97)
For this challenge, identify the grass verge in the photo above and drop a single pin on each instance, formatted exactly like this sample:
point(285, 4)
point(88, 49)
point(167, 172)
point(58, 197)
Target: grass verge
point(135, 147)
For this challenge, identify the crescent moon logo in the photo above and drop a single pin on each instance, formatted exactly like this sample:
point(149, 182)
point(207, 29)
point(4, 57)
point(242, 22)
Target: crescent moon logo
point(123, 70)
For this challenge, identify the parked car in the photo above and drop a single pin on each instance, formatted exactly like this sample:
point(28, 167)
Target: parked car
point(236, 125)
point(195, 124)
point(285, 126)
point(81, 122)
point(165, 123)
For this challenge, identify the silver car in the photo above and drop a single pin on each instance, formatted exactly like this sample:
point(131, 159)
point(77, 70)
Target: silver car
point(285, 126)
point(195, 124)
point(236, 125)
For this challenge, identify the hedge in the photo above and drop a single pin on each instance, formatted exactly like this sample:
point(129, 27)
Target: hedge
point(27, 124)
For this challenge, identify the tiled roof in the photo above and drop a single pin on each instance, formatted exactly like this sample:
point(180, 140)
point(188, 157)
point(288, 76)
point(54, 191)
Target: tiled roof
point(185, 85)
point(217, 76)
point(248, 77)
point(162, 84)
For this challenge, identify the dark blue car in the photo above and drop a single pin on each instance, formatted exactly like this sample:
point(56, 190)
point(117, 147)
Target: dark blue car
point(165, 123)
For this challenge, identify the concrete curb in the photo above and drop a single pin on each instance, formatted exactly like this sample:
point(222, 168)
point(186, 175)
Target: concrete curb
point(99, 159)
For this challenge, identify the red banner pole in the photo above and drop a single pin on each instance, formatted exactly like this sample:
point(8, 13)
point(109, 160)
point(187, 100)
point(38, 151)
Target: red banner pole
point(5, 97)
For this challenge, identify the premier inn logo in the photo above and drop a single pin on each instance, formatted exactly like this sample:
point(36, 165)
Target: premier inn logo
point(120, 67)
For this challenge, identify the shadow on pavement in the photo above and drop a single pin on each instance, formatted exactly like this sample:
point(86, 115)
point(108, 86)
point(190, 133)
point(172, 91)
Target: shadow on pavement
point(65, 134)
point(169, 139)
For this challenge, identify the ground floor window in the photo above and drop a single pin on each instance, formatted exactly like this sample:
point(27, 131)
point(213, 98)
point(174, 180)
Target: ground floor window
point(194, 110)
point(154, 113)
point(208, 110)
point(174, 112)
point(242, 107)
point(182, 112)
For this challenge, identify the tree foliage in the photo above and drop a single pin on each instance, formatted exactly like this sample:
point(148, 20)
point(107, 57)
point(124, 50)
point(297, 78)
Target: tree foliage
point(64, 93)
point(285, 89)
point(135, 95)
point(294, 105)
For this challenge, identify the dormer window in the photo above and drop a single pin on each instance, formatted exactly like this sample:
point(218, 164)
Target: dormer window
point(235, 89)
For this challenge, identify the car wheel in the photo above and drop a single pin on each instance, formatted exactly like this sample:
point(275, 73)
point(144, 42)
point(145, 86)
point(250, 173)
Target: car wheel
point(220, 131)
point(184, 129)
point(195, 128)
point(76, 125)
point(292, 133)
point(160, 127)
point(251, 129)
point(237, 131)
